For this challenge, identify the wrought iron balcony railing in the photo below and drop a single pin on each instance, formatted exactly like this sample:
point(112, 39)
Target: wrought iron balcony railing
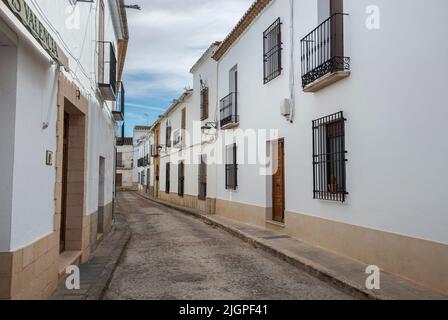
point(107, 71)
point(323, 51)
point(229, 110)
point(154, 149)
point(118, 114)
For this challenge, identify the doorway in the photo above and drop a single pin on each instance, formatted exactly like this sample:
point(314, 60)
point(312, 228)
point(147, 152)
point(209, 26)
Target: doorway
point(119, 180)
point(101, 190)
point(71, 170)
point(278, 183)
point(64, 183)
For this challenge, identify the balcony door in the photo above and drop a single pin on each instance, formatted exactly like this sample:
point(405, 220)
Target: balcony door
point(337, 26)
point(101, 53)
point(233, 88)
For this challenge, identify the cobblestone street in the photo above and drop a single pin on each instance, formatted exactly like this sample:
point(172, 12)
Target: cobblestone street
point(174, 256)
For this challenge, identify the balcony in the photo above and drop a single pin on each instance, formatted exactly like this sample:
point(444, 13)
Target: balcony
point(107, 71)
point(324, 57)
point(154, 151)
point(118, 114)
point(229, 111)
point(120, 164)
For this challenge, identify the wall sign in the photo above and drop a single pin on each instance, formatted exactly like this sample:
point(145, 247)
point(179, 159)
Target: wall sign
point(27, 17)
point(49, 158)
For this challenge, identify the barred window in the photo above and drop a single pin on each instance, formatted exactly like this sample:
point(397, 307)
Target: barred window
point(181, 179)
point(272, 48)
point(203, 178)
point(329, 158)
point(167, 178)
point(204, 104)
point(231, 168)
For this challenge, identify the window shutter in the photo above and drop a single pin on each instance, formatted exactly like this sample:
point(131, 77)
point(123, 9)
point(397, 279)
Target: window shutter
point(204, 104)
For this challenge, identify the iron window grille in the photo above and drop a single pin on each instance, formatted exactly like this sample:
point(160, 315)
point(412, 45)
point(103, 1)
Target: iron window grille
point(202, 179)
point(322, 50)
point(167, 179)
point(204, 104)
point(181, 179)
point(231, 167)
point(329, 158)
point(272, 48)
point(229, 110)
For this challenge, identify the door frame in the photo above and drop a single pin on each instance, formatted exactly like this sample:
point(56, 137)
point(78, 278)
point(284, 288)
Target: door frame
point(276, 144)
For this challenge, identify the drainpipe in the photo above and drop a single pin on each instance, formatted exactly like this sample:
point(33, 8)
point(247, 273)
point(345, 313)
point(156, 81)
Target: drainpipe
point(292, 64)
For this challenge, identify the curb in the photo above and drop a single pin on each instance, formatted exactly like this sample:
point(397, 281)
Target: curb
point(98, 290)
point(316, 270)
point(114, 245)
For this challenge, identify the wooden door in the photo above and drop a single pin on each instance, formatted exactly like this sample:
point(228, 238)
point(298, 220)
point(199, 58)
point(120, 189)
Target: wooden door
point(119, 180)
point(278, 184)
point(64, 183)
point(337, 29)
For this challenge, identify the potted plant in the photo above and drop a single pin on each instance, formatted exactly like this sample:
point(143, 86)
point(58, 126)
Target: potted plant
point(333, 185)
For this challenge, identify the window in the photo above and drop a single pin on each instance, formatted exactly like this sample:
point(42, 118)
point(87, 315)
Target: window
point(203, 179)
point(204, 104)
point(177, 139)
point(167, 178)
point(231, 168)
point(324, 58)
point(148, 179)
point(181, 179)
point(184, 127)
point(168, 135)
point(272, 48)
point(101, 52)
point(329, 158)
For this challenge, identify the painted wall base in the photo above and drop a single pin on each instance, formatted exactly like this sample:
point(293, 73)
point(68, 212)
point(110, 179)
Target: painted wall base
point(188, 201)
point(31, 272)
point(424, 262)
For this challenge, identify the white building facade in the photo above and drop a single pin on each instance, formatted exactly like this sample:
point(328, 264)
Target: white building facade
point(125, 164)
point(326, 92)
point(62, 63)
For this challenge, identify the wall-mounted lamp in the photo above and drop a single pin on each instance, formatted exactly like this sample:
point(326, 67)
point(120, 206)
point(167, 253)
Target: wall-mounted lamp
point(210, 125)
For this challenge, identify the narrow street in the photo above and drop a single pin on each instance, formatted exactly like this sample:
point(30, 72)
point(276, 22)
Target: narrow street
point(174, 256)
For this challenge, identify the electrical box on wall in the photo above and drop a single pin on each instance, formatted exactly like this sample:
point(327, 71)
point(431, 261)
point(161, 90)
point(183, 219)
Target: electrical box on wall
point(286, 108)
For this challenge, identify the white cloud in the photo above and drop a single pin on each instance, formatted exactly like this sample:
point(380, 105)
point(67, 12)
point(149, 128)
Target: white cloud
point(168, 36)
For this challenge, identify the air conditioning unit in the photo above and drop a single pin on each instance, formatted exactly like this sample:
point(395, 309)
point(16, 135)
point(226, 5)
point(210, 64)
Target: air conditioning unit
point(286, 108)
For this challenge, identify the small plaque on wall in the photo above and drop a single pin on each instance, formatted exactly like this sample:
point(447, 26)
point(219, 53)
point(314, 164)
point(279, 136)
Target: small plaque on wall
point(49, 158)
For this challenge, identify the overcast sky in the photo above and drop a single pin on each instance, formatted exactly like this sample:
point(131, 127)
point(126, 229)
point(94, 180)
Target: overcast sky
point(166, 38)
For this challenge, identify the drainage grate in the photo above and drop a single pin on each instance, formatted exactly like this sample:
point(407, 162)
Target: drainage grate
point(282, 236)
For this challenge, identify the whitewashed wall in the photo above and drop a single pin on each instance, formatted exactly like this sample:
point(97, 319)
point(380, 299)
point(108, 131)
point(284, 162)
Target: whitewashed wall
point(32, 206)
point(189, 154)
point(207, 70)
point(394, 101)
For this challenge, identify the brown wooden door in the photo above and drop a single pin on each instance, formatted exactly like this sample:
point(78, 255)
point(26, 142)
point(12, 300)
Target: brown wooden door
point(278, 185)
point(337, 26)
point(64, 183)
point(119, 180)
